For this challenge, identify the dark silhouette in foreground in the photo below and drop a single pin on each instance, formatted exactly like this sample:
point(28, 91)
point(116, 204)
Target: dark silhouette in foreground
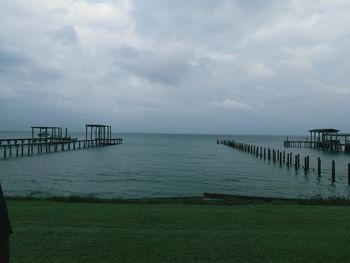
point(5, 231)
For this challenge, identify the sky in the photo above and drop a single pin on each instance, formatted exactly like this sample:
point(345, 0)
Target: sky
point(199, 66)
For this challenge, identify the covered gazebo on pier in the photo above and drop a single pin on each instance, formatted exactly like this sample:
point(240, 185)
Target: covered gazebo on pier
point(318, 136)
point(48, 132)
point(102, 133)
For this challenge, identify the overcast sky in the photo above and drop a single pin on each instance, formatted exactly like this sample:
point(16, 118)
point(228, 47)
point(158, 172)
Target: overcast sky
point(199, 66)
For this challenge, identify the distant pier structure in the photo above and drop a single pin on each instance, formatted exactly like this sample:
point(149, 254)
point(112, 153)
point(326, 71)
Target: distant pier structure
point(48, 133)
point(47, 139)
point(102, 133)
point(325, 139)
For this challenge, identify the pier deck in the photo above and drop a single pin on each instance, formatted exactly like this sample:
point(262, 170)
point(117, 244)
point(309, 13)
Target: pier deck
point(29, 147)
point(324, 139)
point(100, 135)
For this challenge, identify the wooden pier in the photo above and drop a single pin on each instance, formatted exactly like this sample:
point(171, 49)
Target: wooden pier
point(282, 158)
point(56, 142)
point(324, 139)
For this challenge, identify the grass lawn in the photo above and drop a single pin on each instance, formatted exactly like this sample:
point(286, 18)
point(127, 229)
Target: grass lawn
point(47, 231)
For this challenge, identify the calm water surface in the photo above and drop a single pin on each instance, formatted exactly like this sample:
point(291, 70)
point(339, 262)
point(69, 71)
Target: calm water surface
point(164, 165)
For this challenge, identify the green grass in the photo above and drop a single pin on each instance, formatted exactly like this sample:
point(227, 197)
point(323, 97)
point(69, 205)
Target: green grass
point(47, 231)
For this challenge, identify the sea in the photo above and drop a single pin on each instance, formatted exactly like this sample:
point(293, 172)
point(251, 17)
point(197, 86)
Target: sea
point(171, 165)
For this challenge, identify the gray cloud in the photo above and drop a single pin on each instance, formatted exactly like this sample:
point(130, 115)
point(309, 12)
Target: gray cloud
point(272, 66)
point(65, 35)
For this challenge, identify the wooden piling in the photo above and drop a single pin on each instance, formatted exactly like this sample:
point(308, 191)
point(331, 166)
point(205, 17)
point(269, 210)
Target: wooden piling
point(280, 158)
point(348, 173)
point(319, 166)
point(333, 171)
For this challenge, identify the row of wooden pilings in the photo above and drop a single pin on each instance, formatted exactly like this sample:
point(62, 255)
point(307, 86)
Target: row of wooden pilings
point(16, 150)
point(280, 157)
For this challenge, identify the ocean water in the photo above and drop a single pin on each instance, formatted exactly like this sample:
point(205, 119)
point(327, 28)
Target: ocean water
point(170, 165)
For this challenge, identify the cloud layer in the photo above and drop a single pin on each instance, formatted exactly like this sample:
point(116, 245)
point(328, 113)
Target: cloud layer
point(197, 66)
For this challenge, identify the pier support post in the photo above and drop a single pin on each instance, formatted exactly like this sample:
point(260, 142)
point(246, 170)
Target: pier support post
point(280, 158)
point(333, 171)
point(348, 173)
point(319, 166)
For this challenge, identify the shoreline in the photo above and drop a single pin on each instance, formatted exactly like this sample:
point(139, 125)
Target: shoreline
point(205, 199)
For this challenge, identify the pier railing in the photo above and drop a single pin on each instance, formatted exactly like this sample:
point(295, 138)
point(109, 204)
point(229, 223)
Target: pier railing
point(331, 146)
point(22, 147)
